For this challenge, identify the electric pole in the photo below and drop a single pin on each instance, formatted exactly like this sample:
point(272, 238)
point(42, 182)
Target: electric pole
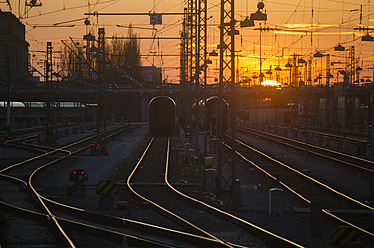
point(184, 64)
point(100, 81)
point(227, 81)
point(201, 68)
point(48, 82)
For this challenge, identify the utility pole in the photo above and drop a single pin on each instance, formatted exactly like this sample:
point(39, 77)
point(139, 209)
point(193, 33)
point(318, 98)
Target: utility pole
point(48, 85)
point(185, 91)
point(329, 104)
point(227, 80)
point(201, 66)
point(7, 79)
point(309, 72)
point(328, 70)
point(100, 82)
point(193, 63)
point(189, 66)
point(353, 65)
point(294, 71)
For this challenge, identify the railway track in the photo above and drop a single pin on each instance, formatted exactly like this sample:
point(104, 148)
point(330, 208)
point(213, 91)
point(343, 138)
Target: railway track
point(335, 133)
point(364, 165)
point(189, 213)
point(34, 129)
point(341, 207)
point(115, 228)
point(309, 189)
point(29, 203)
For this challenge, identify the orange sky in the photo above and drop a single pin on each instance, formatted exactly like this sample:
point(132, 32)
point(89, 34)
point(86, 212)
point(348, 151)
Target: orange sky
point(328, 23)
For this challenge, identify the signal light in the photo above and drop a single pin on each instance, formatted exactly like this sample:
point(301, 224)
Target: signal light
point(98, 148)
point(78, 176)
point(247, 23)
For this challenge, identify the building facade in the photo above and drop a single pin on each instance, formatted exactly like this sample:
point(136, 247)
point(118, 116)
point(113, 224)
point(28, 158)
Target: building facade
point(14, 49)
point(151, 76)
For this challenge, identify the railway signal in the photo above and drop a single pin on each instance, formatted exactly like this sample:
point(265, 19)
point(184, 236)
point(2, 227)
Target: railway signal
point(98, 148)
point(78, 176)
point(8, 135)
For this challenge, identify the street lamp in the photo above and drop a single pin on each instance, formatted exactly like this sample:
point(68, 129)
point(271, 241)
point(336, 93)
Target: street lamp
point(318, 54)
point(89, 37)
point(247, 23)
point(367, 37)
point(213, 54)
point(258, 15)
point(339, 47)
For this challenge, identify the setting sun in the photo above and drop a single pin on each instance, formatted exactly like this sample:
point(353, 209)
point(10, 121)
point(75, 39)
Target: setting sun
point(271, 83)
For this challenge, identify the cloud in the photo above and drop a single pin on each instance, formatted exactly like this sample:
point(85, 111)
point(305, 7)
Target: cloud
point(309, 26)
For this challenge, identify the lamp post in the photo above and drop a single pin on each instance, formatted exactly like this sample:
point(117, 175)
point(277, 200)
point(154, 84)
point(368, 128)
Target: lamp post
point(289, 65)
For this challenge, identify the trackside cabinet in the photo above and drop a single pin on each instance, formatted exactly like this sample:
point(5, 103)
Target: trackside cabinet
point(276, 202)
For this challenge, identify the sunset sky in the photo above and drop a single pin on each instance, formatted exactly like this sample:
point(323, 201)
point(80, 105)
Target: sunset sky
point(306, 26)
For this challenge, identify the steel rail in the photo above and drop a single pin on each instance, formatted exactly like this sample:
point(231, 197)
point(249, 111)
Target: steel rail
point(282, 240)
point(32, 147)
point(302, 147)
point(47, 216)
point(290, 188)
point(62, 149)
point(301, 174)
point(118, 221)
point(38, 196)
point(153, 242)
point(23, 138)
point(162, 208)
point(85, 225)
point(34, 129)
point(337, 134)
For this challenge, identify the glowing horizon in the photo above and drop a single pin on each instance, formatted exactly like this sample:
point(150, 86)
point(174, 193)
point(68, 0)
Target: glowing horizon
point(325, 27)
point(270, 83)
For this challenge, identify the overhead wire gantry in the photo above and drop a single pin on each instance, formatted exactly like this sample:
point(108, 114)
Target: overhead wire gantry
point(227, 85)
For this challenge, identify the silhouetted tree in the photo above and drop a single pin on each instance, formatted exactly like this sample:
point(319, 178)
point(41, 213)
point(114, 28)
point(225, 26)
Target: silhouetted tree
point(125, 53)
point(120, 53)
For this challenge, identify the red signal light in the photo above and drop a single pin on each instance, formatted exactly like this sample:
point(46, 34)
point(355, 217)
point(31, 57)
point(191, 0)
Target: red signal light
point(74, 172)
point(82, 172)
point(93, 144)
point(98, 144)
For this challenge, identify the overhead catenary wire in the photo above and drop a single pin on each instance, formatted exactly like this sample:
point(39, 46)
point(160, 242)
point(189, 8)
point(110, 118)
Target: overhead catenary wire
point(302, 8)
